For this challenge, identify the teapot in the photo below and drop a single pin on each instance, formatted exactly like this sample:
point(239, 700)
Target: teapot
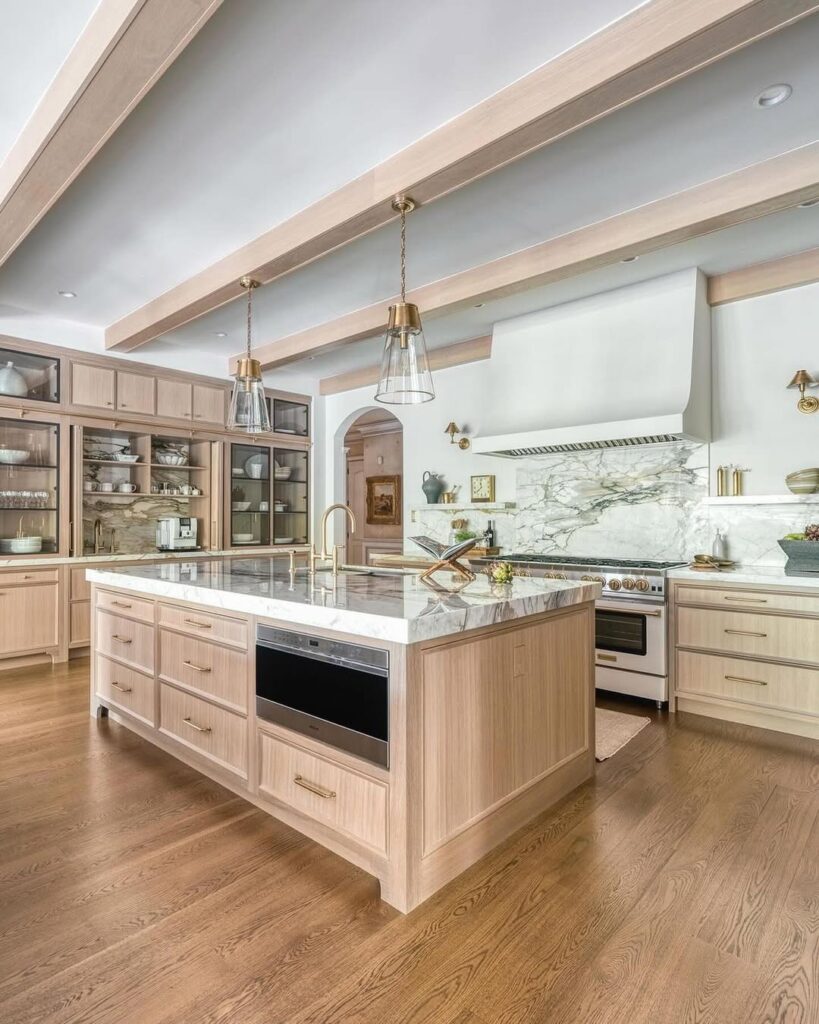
point(432, 485)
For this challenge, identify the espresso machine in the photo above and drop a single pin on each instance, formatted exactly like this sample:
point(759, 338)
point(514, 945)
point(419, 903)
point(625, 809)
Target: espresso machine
point(176, 533)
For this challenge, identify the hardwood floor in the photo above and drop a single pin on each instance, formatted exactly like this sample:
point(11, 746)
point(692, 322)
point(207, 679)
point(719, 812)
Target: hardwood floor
point(682, 885)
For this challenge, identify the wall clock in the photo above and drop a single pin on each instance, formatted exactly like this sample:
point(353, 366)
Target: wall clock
point(482, 487)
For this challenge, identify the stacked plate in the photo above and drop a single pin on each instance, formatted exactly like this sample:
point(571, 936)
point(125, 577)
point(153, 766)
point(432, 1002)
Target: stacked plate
point(21, 545)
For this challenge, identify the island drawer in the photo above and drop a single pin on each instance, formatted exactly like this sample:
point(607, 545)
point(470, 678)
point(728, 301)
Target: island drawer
point(126, 689)
point(124, 604)
point(324, 790)
point(199, 623)
point(219, 735)
point(762, 636)
point(783, 687)
point(750, 600)
point(207, 668)
point(125, 639)
point(28, 576)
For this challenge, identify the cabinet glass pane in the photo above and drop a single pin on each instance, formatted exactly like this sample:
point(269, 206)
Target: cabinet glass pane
point(290, 417)
point(29, 487)
point(249, 496)
point(23, 375)
point(290, 497)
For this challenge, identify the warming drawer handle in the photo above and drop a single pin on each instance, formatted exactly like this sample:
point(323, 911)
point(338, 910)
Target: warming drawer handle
point(122, 689)
point(199, 728)
point(748, 600)
point(121, 639)
point(744, 632)
point(196, 668)
point(606, 657)
point(325, 794)
point(743, 679)
point(201, 625)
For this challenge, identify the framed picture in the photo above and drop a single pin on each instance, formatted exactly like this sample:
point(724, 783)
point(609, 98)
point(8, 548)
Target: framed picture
point(482, 487)
point(384, 500)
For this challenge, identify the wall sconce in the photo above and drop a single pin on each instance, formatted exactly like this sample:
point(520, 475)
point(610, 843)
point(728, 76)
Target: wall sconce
point(802, 380)
point(452, 429)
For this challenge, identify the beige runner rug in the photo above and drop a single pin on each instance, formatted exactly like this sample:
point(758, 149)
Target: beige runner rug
point(614, 730)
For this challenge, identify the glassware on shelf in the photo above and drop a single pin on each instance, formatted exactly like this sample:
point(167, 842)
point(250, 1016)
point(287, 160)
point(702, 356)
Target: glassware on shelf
point(29, 487)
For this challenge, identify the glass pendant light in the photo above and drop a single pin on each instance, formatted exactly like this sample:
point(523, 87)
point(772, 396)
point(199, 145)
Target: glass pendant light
point(248, 409)
point(405, 375)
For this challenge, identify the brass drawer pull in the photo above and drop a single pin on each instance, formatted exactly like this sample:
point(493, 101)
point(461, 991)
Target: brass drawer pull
point(196, 668)
point(742, 679)
point(193, 725)
point(120, 604)
point(325, 794)
point(748, 600)
point(121, 639)
point(606, 657)
point(201, 625)
point(122, 689)
point(744, 632)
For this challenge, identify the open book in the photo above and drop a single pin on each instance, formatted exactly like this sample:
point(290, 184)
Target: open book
point(441, 551)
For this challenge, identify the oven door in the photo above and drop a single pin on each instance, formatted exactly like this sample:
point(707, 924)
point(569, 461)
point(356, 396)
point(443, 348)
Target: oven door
point(631, 636)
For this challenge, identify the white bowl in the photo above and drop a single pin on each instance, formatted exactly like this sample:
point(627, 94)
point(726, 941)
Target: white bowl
point(13, 456)
point(21, 545)
point(283, 540)
point(241, 506)
point(120, 457)
point(283, 473)
point(242, 538)
point(171, 459)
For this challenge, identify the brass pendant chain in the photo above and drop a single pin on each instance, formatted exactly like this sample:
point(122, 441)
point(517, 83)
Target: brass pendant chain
point(403, 253)
point(249, 318)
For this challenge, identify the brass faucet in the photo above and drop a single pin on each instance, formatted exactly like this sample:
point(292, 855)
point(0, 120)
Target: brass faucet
point(97, 536)
point(324, 556)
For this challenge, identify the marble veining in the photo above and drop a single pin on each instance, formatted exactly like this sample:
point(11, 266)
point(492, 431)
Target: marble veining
point(397, 607)
point(762, 575)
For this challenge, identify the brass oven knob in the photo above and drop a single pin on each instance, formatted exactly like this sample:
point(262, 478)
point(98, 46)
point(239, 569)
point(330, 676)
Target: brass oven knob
point(614, 584)
point(628, 583)
point(559, 575)
point(642, 585)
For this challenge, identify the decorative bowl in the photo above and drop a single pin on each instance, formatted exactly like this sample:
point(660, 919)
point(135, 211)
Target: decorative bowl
point(803, 557)
point(803, 481)
point(241, 506)
point(171, 459)
point(283, 473)
point(21, 545)
point(121, 457)
point(13, 456)
point(242, 538)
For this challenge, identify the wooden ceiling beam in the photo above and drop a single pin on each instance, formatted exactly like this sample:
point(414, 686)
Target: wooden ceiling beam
point(463, 352)
point(123, 50)
point(756, 191)
point(764, 278)
point(657, 44)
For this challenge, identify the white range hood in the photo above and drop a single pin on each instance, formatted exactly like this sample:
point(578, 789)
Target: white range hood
point(628, 367)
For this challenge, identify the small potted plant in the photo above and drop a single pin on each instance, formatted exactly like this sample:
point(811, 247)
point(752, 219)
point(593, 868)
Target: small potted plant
point(802, 550)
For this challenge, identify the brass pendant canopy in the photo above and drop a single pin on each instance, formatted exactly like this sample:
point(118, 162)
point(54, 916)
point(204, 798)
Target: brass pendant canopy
point(405, 377)
point(248, 406)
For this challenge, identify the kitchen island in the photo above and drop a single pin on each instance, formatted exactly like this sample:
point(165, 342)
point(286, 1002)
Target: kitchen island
point(488, 700)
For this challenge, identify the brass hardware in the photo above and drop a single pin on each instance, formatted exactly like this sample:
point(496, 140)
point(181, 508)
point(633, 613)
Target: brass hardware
point(403, 204)
point(629, 583)
point(121, 604)
point(748, 600)
point(198, 728)
point(325, 556)
point(201, 625)
point(196, 668)
point(292, 561)
point(122, 689)
point(325, 794)
point(803, 380)
point(742, 679)
point(452, 429)
point(744, 632)
point(121, 639)
point(404, 318)
point(607, 657)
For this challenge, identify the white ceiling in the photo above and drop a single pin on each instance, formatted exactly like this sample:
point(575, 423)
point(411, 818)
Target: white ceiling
point(35, 38)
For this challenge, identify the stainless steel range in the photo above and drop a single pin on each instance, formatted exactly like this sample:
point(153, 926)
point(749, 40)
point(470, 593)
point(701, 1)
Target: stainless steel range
point(632, 618)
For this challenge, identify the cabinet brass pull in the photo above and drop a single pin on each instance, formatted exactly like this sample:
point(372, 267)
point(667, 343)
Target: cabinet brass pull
point(120, 604)
point(742, 679)
point(748, 600)
point(201, 625)
point(121, 639)
point(744, 632)
point(607, 657)
point(325, 794)
point(196, 668)
point(122, 689)
point(193, 725)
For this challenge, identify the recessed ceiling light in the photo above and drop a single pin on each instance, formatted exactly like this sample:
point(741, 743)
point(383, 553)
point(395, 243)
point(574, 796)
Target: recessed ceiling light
point(67, 295)
point(220, 334)
point(809, 203)
point(629, 259)
point(773, 95)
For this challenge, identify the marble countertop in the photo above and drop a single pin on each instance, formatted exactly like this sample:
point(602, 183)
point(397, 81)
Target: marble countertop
point(393, 606)
point(770, 575)
point(16, 562)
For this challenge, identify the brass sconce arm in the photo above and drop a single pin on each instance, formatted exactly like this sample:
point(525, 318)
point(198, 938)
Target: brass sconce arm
point(803, 380)
point(452, 429)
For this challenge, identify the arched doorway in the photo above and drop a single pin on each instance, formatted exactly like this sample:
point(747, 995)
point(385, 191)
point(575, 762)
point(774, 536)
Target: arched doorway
point(373, 447)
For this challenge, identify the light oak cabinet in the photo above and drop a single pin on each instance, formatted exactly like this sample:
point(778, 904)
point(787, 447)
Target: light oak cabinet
point(126, 689)
point(174, 399)
point(92, 386)
point(136, 393)
point(217, 734)
point(209, 405)
point(29, 618)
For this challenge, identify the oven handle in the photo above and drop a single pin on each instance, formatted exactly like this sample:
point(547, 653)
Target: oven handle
point(656, 613)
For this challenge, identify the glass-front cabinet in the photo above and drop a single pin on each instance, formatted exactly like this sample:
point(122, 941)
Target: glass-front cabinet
point(269, 496)
point(25, 375)
point(288, 415)
point(30, 487)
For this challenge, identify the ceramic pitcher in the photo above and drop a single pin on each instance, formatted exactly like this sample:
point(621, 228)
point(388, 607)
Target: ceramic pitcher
point(432, 486)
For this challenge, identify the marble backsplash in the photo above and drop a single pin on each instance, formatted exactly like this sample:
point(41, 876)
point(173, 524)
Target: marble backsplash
point(132, 520)
point(641, 502)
